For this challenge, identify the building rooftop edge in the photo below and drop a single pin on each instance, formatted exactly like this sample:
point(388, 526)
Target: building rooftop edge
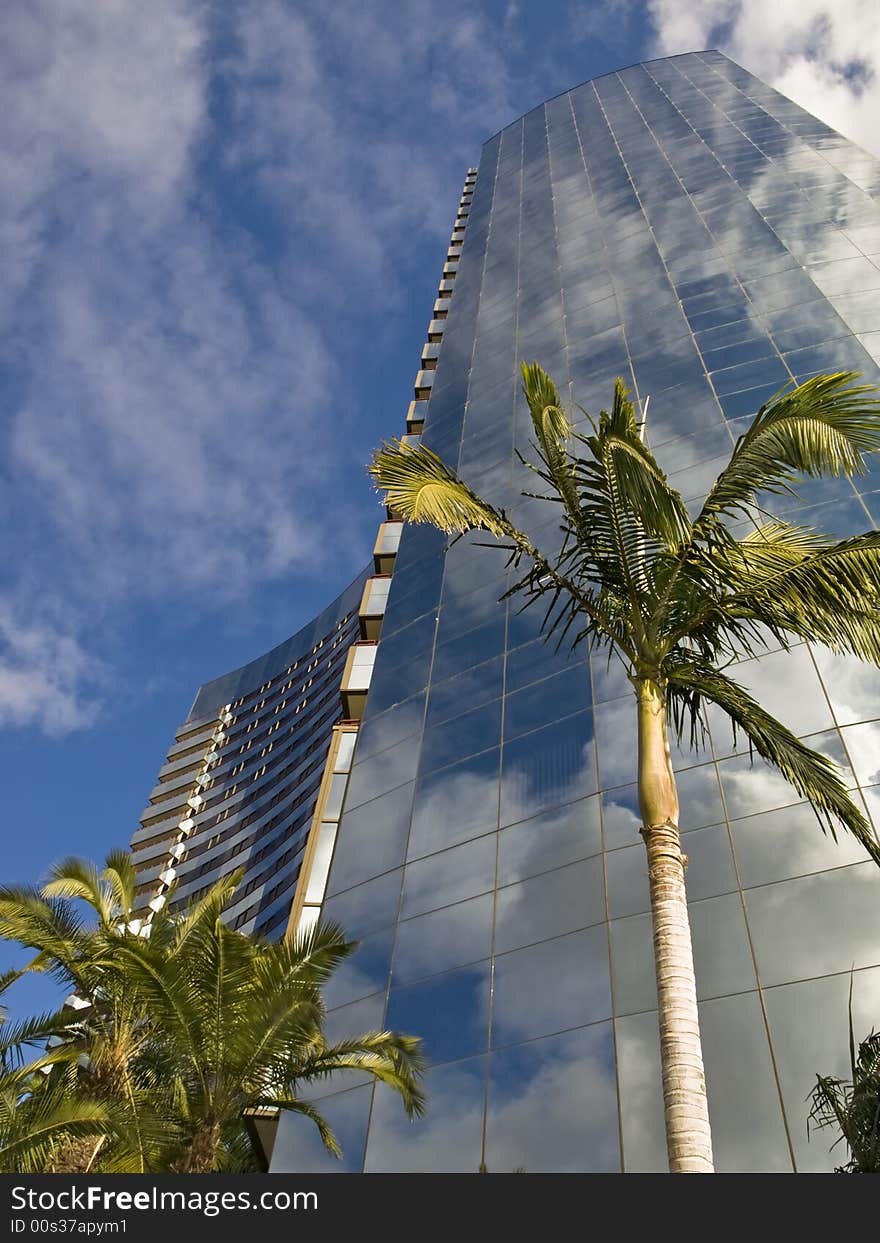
point(599, 76)
point(263, 666)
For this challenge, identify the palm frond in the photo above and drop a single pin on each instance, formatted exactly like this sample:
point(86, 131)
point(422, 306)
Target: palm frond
point(207, 909)
point(394, 1059)
point(624, 473)
point(121, 879)
point(814, 776)
point(422, 488)
point(49, 927)
point(824, 426)
point(548, 418)
point(292, 1106)
point(552, 433)
point(853, 1107)
point(41, 1123)
point(829, 592)
point(34, 1030)
point(79, 878)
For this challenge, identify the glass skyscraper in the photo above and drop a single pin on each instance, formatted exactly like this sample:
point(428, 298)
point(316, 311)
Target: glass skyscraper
point(684, 226)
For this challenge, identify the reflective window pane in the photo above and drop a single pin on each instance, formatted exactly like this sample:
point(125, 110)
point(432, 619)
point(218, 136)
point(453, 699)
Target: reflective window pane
point(455, 804)
point(440, 879)
point(550, 840)
point(831, 922)
point(443, 939)
point(550, 904)
point(553, 1106)
point(548, 767)
point(748, 1135)
point(300, 1150)
point(449, 1012)
point(551, 986)
point(371, 839)
point(365, 908)
point(448, 1140)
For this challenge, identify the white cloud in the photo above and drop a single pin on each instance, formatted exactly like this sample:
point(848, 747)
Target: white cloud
point(207, 218)
point(824, 56)
point(46, 679)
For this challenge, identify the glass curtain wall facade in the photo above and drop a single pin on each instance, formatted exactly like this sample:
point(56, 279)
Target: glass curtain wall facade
point(684, 226)
point(241, 782)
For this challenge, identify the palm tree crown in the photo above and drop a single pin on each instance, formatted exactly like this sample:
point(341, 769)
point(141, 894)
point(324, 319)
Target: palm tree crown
point(182, 1028)
point(674, 597)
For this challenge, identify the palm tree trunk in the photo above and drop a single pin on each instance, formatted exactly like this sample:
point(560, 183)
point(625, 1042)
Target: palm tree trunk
point(200, 1153)
point(688, 1137)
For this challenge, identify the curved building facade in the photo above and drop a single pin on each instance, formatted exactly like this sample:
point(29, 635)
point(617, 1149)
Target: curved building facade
point(240, 785)
point(684, 226)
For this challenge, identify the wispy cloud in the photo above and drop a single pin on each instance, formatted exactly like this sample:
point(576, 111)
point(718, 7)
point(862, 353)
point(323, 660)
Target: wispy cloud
point(46, 679)
point(212, 216)
point(204, 225)
point(824, 56)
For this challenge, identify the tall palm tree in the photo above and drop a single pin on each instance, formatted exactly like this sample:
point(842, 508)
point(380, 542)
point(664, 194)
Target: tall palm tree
point(677, 599)
point(177, 1035)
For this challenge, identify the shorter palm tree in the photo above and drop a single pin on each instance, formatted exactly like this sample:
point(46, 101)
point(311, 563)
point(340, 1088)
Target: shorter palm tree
point(852, 1106)
point(239, 1030)
point(180, 1035)
point(40, 1105)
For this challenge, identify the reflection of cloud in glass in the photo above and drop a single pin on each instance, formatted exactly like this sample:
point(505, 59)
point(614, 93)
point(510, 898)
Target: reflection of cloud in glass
point(382, 772)
point(367, 907)
point(460, 872)
point(748, 1134)
point(467, 690)
point(776, 845)
point(641, 1099)
point(455, 804)
point(444, 939)
point(365, 972)
point(449, 1012)
point(372, 839)
point(380, 732)
point(863, 745)
point(750, 787)
point(722, 958)
point(816, 925)
point(298, 1147)
point(632, 958)
point(550, 904)
point(853, 686)
point(550, 840)
point(809, 1029)
point(547, 768)
point(551, 987)
point(448, 1140)
point(747, 1128)
point(787, 686)
point(553, 1105)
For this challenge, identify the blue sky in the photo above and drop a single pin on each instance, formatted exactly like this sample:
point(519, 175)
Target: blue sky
point(222, 232)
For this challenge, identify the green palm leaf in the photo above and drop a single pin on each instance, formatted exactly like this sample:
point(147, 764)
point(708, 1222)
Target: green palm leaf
point(824, 426)
point(814, 776)
point(422, 488)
